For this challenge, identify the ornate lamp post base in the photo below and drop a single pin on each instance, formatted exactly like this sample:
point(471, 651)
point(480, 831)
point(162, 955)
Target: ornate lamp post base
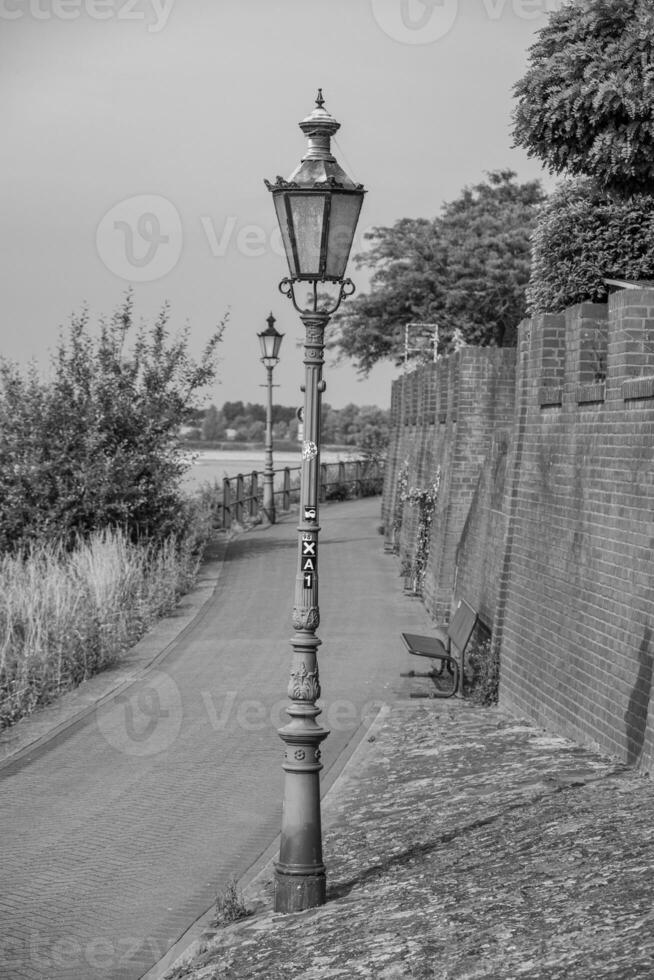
point(300, 882)
point(295, 893)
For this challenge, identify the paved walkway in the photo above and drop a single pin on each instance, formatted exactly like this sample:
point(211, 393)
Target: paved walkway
point(119, 832)
point(463, 844)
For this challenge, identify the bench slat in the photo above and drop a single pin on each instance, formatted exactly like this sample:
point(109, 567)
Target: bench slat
point(462, 625)
point(424, 646)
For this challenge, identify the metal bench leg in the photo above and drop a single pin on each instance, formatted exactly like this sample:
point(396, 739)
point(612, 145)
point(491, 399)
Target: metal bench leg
point(452, 668)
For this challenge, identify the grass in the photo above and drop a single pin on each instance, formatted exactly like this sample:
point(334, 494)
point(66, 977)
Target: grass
point(65, 616)
point(230, 906)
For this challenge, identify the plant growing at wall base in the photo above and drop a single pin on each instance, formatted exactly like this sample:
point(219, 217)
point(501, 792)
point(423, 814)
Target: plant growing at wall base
point(484, 666)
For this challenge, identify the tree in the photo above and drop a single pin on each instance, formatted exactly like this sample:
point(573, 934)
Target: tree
point(95, 445)
point(466, 269)
point(256, 431)
point(213, 425)
point(374, 432)
point(583, 237)
point(487, 233)
point(585, 103)
point(231, 410)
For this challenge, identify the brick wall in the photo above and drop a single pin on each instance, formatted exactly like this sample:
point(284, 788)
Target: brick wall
point(545, 518)
point(481, 545)
point(444, 416)
point(575, 622)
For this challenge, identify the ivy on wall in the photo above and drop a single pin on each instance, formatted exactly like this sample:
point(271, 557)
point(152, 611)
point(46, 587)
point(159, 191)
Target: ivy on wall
point(398, 506)
point(425, 500)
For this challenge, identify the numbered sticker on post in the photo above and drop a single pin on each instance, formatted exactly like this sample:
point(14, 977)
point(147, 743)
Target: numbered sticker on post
point(308, 580)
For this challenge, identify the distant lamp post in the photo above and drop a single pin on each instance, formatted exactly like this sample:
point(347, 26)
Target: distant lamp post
point(317, 209)
point(270, 342)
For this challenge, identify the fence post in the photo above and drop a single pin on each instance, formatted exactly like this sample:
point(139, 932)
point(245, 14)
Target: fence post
point(341, 471)
point(238, 503)
point(357, 477)
point(253, 509)
point(323, 482)
point(286, 493)
point(227, 503)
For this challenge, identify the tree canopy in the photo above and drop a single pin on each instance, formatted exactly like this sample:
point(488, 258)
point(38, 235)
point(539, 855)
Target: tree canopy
point(466, 270)
point(585, 103)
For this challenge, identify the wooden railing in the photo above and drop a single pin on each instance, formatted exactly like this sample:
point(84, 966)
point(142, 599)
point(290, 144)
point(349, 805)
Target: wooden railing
point(242, 495)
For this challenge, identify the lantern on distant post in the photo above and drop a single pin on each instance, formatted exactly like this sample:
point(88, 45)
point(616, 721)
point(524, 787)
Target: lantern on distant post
point(270, 342)
point(318, 209)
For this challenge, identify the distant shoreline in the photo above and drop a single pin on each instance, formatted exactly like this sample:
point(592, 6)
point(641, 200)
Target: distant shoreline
point(279, 445)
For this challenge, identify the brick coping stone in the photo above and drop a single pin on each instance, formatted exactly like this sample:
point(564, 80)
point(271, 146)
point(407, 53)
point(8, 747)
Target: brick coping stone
point(463, 843)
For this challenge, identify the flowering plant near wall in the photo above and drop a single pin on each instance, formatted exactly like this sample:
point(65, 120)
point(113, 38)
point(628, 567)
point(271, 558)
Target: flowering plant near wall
point(425, 500)
point(400, 497)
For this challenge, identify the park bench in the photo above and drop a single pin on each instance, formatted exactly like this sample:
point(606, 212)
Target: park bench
point(444, 647)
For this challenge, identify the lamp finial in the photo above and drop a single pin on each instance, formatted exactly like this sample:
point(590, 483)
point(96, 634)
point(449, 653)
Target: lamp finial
point(319, 99)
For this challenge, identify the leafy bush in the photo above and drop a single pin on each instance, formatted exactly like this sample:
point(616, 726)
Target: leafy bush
point(585, 102)
point(339, 491)
point(93, 446)
point(583, 235)
point(484, 667)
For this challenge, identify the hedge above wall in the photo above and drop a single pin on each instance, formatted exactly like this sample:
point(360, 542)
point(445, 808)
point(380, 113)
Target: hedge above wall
point(584, 236)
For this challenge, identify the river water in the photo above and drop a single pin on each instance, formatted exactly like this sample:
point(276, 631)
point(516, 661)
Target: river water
point(213, 464)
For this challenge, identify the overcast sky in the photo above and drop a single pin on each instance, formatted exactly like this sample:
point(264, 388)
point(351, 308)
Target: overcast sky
point(138, 134)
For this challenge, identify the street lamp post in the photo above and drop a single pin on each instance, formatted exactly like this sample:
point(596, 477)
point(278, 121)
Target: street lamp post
point(270, 342)
point(317, 209)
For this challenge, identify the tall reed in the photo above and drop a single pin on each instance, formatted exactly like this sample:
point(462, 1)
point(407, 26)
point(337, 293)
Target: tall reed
point(65, 615)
